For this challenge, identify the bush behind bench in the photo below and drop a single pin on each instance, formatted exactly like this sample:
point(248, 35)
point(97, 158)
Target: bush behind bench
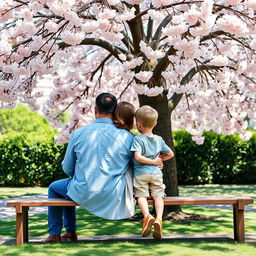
point(29, 160)
point(33, 159)
point(222, 159)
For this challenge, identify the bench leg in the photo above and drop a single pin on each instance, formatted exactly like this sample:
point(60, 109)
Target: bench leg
point(22, 226)
point(25, 225)
point(238, 216)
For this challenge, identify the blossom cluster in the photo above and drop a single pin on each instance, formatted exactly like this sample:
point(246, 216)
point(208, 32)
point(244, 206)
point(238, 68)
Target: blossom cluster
point(202, 50)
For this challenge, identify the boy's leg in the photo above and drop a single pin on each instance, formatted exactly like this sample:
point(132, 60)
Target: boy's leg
point(158, 224)
point(157, 190)
point(143, 204)
point(142, 192)
point(159, 207)
point(148, 220)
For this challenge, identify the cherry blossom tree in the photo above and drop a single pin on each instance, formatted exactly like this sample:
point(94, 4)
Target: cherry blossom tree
point(193, 61)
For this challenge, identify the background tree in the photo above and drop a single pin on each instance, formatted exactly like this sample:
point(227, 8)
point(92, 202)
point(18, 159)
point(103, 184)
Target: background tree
point(22, 120)
point(192, 60)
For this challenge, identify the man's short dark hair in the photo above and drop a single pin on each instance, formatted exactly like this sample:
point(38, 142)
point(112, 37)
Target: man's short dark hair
point(106, 103)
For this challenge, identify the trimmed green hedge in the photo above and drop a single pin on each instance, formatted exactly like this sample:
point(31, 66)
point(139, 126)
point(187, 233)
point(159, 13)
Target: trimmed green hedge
point(222, 159)
point(28, 160)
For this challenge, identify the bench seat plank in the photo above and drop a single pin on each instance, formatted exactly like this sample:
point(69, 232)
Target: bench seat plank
point(167, 201)
point(238, 202)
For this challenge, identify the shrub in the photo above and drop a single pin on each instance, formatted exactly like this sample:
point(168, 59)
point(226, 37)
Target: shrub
point(192, 159)
point(222, 159)
point(30, 160)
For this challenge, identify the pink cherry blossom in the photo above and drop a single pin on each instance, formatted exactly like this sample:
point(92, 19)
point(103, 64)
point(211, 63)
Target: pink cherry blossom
point(233, 2)
point(72, 38)
point(134, 1)
point(156, 15)
point(245, 136)
point(192, 16)
point(51, 26)
point(144, 76)
point(35, 6)
point(90, 26)
point(233, 25)
point(5, 15)
point(219, 61)
point(27, 15)
point(149, 52)
point(112, 37)
point(24, 51)
point(113, 2)
point(202, 50)
point(152, 92)
point(133, 63)
point(175, 30)
point(159, 3)
point(251, 3)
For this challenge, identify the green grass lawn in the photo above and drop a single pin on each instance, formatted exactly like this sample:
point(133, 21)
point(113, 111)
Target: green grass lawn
point(219, 190)
point(88, 224)
point(173, 248)
point(7, 192)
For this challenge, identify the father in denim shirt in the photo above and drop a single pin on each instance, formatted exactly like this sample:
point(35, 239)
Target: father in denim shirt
point(96, 161)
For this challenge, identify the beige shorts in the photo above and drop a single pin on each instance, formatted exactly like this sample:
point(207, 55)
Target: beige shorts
point(149, 182)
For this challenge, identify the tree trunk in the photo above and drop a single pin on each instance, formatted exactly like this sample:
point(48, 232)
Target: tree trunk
point(164, 129)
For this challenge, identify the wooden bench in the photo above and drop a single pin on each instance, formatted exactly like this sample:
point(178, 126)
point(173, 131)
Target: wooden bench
point(22, 207)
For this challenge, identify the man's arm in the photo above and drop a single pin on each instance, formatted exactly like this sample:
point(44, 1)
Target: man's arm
point(144, 160)
point(69, 161)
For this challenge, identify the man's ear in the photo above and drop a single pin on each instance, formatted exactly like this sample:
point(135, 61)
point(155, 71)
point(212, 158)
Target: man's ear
point(96, 111)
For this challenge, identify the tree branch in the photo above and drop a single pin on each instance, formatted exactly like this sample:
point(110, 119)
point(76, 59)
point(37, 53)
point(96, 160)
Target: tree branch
point(161, 66)
point(100, 66)
point(149, 29)
point(213, 35)
point(138, 15)
point(158, 32)
point(217, 33)
point(176, 97)
point(114, 50)
point(137, 31)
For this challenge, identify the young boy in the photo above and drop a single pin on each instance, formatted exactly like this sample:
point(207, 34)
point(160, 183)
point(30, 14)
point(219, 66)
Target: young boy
point(149, 151)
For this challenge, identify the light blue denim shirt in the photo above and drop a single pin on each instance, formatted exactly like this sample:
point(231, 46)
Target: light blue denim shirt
point(97, 158)
point(149, 147)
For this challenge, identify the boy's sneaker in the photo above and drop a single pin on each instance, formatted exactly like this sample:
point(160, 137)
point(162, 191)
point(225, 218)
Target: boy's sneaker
point(158, 225)
point(147, 225)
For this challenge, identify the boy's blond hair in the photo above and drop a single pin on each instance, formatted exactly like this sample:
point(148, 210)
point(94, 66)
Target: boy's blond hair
point(147, 116)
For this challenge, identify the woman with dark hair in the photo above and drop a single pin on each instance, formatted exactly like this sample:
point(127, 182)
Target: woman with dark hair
point(124, 115)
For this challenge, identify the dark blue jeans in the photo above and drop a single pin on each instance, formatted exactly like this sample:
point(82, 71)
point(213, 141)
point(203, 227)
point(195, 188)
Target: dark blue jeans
point(58, 189)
